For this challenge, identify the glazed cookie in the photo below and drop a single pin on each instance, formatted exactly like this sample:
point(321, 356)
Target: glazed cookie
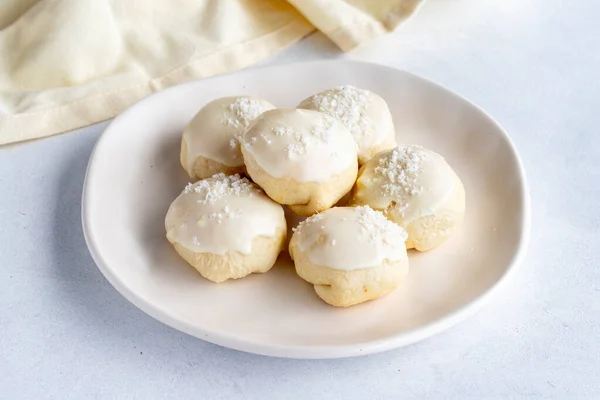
point(226, 227)
point(365, 114)
point(302, 158)
point(210, 141)
point(350, 254)
point(415, 188)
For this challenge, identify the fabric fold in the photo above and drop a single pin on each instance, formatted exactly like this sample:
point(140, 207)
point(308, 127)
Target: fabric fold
point(65, 64)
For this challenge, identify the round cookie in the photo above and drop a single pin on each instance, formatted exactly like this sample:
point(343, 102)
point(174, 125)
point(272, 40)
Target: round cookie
point(302, 158)
point(364, 113)
point(350, 254)
point(210, 141)
point(226, 227)
point(415, 188)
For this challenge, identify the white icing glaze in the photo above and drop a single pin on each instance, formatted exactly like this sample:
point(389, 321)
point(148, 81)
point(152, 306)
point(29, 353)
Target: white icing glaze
point(350, 238)
point(303, 145)
point(213, 133)
point(410, 180)
point(222, 214)
point(364, 113)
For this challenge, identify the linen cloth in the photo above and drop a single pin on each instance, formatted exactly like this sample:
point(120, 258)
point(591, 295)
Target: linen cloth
point(65, 64)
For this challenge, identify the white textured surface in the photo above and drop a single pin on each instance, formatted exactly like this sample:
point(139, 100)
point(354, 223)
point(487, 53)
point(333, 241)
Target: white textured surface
point(67, 334)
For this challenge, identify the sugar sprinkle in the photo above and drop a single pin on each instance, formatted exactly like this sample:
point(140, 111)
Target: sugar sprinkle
point(307, 222)
point(347, 104)
point(400, 169)
point(265, 138)
point(242, 111)
point(283, 130)
point(372, 223)
point(323, 131)
point(379, 228)
point(219, 186)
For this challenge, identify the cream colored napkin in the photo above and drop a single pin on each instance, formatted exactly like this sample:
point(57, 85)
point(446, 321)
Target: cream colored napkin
point(65, 64)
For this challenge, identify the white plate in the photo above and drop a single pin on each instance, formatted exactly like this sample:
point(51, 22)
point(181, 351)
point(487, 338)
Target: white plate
point(134, 174)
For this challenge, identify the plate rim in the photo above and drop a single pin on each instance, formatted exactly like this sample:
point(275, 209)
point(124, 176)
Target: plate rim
point(329, 351)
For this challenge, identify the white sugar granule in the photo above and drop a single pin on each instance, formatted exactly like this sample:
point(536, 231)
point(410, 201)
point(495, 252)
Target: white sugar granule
point(265, 138)
point(295, 150)
point(225, 213)
point(220, 185)
point(378, 228)
point(234, 144)
point(324, 131)
point(242, 111)
point(301, 143)
point(307, 222)
point(235, 141)
point(298, 148)
point(347, 104)
point(400, 170)
point(283, 130)
point(372, 223)
point(231, 214)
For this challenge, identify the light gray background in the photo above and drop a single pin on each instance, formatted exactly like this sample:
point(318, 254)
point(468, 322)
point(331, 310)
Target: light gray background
point(65, 333)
